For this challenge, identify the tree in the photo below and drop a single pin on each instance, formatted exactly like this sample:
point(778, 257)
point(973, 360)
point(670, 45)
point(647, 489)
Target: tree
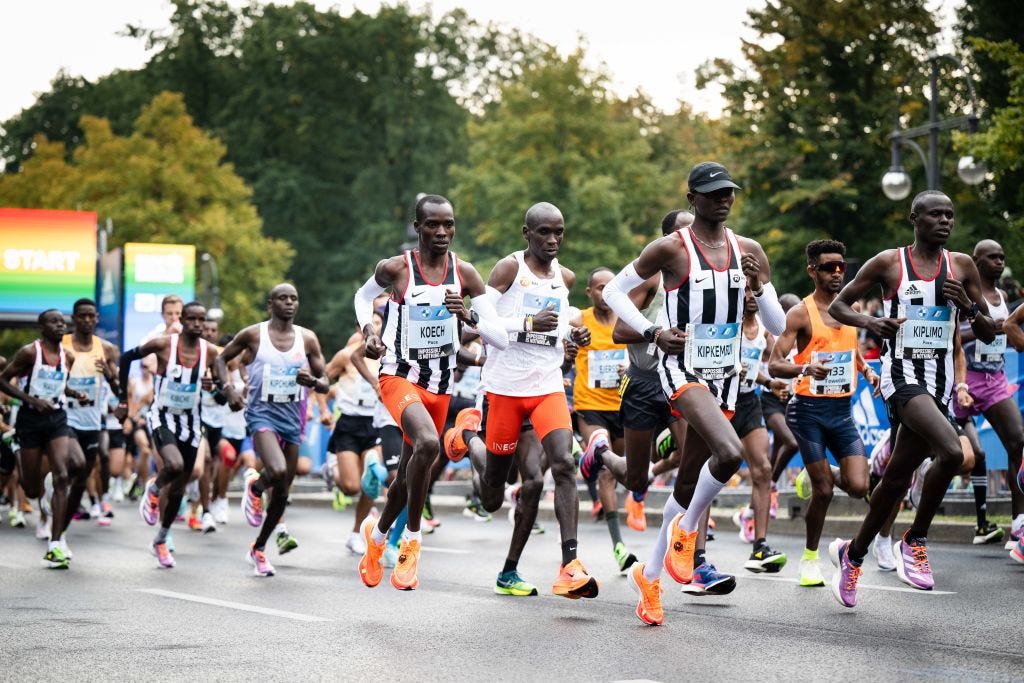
point(558, 135)
point(810, 123)
point(165, 182)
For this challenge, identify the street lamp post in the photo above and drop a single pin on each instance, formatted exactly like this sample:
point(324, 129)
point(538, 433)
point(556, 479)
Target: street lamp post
point(896, 181)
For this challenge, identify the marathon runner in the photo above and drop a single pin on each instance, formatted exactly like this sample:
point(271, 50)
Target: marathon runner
point(97, 364)
point(826, 366)
point(183, 362)
point(42, 426)
point(418, 346)
point(530, 290)
point(925, 286)
point(993, 395)
point(284, 361)
point(706, 269)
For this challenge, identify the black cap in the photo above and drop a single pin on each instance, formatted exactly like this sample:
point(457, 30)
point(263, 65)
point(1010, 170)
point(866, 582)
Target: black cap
point(708, 176)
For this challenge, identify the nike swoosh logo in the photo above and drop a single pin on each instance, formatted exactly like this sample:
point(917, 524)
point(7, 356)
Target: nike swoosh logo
point(416, 294)
point(553, 286)
point(702, 279)
point(712, 175)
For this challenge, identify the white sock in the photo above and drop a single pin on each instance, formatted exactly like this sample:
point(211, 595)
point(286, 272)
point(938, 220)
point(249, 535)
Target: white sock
point(378, 536)
point(707, 488)
point(410, 535)
point(53, 545)
point(652, 569)
point(280, 528)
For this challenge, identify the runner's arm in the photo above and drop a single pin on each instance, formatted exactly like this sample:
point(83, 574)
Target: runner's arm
point(1014, 333)
point(778, 362)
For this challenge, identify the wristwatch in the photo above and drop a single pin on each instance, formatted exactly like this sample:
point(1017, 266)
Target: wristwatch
point(649, 334)
point(973, 313)
point(474, 318)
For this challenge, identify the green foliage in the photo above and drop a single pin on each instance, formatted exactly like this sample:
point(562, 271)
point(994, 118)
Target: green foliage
point(165, 182)
point(558, 135)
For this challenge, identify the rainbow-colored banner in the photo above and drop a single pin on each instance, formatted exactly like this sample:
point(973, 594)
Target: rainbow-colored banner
point(48, 260)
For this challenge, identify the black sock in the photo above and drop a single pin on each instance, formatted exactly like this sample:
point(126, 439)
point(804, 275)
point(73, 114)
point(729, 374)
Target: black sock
point(979, 482)
point(568, 551)
point(760, 542)
point(698, 557)
point(600, 450)
point(911, 539)
point(510, 566)
point(468, 435)
point(854, 555)
point(612, 519)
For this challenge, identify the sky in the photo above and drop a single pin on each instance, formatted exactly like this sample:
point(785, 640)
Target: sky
point(655, 45)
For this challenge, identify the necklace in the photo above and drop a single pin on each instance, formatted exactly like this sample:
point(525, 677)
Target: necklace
point(709, 246)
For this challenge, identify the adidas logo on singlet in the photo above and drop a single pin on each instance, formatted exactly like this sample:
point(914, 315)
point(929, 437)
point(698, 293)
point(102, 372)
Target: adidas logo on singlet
point(912, 290)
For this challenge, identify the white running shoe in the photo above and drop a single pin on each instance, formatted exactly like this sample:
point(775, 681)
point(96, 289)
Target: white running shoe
point(810, 573)
point(45, 501)
point(917, 485)
point(117, 494)
point(882, 550)
point(64, 546)
point(43, 529)
point(94, 511)
point(207, 525)
point(219, 510)
point(356, 544)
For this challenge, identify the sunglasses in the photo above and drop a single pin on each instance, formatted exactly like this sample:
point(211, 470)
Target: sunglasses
point(831, 267)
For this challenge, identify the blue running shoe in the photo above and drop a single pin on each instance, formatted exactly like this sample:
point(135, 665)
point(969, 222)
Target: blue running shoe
point(709, 581)
point(591, 463)
point(371, 481)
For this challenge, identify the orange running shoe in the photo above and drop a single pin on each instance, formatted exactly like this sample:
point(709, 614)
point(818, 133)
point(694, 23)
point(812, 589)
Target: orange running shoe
point(403, 576)
point(370, 570)
point(454, 445)
point(193, 522)
point(635, 516)
point(648, 607)
point(574, 582)
point(679, 557)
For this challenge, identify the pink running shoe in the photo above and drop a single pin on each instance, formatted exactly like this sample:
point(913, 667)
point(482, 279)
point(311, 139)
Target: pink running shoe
point(149, 504)
point(252, 505)
point(844, 581)
point(912, 565)
point(163, 555)
point(1018, 552)
point(258, 559)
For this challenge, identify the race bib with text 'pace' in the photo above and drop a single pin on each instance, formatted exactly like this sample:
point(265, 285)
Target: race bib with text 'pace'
point(712, 351)
point(927, 333)
point(429, 332)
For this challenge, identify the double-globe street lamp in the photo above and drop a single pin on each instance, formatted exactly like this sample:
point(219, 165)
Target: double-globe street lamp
point(896, 182)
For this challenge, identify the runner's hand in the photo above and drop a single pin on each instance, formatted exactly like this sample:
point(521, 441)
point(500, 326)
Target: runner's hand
point(780, 388)
point(455, 304)
point(304, 379)
point(374, 347)
point(581, 335)
point(954, 291)
point(752, 270)
point(235, 400)
point(672, 341)
point(875, 381)
point(570, 352)
point(885, 327)
point(547, 320)
point(818, 370)
point(121, 412)
point(964, 398)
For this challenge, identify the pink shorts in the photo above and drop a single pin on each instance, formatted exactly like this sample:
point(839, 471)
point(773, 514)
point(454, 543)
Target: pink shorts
point(987, 389)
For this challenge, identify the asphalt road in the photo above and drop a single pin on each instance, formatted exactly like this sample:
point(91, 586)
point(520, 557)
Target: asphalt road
point(116, 615)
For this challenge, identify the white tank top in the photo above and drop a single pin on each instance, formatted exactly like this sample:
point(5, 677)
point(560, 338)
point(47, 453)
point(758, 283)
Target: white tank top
point(354, 395)
point(48, 382)
point(751, 352)
point(272, 373)
point(531, 365)
point(84, 377)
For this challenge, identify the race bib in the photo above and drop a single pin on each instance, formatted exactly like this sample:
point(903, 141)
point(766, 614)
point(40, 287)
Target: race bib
point(90, 386)
point(177, 396)
point(280, 384)
point(532, 304)
point(429, 332)
point(840, 377)
point(712, 351)
point(47, 383)
point(603, 368)
point(750, 357)
point(926, 334)
point(990, 353)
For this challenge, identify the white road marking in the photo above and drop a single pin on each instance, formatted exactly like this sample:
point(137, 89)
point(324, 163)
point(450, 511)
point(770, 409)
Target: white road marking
point(897, 589)
point(232, 605)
